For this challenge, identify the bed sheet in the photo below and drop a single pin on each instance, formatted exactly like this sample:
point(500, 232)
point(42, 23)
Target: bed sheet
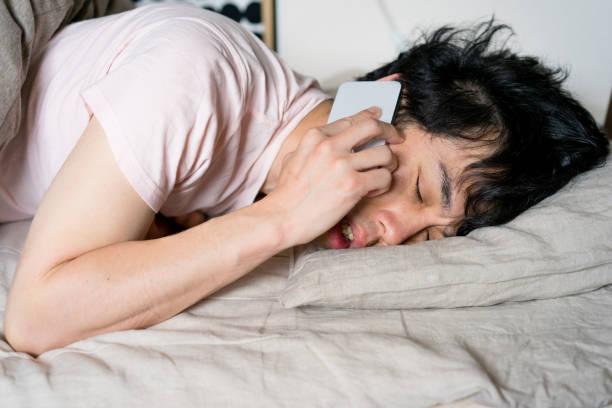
point(241, 347)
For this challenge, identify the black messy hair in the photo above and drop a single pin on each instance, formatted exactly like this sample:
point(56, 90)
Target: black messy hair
point(455, 84)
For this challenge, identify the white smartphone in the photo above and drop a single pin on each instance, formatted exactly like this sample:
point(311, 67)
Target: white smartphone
point(353, 97)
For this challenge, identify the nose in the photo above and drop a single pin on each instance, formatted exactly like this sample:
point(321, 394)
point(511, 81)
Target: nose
point(395, 229)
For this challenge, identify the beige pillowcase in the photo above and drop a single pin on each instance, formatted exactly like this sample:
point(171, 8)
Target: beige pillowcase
point(560, 247)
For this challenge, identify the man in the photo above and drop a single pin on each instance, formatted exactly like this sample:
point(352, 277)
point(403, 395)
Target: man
point(173, 110)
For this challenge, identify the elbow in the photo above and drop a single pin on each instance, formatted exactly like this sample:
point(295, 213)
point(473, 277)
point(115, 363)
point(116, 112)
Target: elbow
point(29, 322)
point(21, 338)
point(17, 338)
point(25, 333)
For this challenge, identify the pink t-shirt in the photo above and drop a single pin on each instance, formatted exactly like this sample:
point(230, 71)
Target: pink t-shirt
point(195, 109)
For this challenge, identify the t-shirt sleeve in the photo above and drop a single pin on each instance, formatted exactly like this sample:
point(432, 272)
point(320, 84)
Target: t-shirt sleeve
point(155, 103)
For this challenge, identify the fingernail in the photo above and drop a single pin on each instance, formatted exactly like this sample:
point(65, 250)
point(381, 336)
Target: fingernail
point(374, 109)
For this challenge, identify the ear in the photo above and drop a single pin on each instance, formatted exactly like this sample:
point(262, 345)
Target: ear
point(392, 77)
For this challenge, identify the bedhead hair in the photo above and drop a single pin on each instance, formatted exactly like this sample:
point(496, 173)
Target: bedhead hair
point(457, 84)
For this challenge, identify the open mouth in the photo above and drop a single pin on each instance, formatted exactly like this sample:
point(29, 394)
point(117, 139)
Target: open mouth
point(347, 230)
point(341, 235)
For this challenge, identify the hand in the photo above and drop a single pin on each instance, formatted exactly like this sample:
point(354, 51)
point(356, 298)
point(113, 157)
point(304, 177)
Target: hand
point(164, 226)
point(322, 180)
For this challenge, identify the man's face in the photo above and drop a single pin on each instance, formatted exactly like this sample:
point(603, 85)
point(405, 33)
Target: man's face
point(424, 201)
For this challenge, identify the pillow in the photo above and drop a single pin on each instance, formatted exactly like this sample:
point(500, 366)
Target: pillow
point(25, 27)
point(562, 246)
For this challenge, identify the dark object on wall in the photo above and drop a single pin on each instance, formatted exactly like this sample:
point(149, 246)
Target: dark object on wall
point(608, 124)
point(256, 16)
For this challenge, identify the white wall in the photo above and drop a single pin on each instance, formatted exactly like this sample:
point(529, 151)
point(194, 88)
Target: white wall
point(335, 40)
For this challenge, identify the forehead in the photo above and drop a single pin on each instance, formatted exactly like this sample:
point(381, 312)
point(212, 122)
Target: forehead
point(454, 152)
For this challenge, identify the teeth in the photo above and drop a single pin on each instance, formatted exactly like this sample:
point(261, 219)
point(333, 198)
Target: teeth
point(347, 231)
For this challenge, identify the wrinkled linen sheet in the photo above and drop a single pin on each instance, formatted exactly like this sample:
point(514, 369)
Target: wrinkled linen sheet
point(240, 347)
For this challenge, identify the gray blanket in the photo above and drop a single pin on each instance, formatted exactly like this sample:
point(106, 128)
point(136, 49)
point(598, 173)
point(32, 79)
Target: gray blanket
point(25, 27)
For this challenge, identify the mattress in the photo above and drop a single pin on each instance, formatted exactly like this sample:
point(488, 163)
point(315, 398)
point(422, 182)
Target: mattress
point(240, 347)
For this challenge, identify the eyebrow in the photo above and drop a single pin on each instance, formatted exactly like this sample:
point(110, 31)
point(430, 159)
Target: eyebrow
point(446, 189)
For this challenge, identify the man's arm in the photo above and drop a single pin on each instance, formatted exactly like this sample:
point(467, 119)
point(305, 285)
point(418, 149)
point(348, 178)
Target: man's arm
point(85, 269)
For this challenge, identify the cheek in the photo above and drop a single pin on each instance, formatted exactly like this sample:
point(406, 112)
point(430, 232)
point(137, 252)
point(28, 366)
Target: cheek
point(393, 200)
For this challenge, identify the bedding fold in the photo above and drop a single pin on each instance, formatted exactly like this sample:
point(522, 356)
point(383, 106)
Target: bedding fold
point(241, 347)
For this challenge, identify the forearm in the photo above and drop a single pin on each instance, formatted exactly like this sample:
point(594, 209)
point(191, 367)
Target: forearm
point(136, 284)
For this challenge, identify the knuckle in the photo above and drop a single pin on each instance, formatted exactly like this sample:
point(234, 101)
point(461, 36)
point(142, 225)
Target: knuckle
point(325, 147)
point(342, 168)
point(349, 183)
point(314, 134)
point(348, 121)
point(370, 125)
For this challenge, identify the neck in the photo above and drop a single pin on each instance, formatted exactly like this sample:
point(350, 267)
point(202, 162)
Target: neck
point(316, 117)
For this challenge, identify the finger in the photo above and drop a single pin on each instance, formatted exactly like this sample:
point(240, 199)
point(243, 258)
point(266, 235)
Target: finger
point(394, 163)
point(365, 130)
point(392, 167)
point(376, 179)
point(377, 192)
point(379, 156)
point(342, 124)
point(314, 136)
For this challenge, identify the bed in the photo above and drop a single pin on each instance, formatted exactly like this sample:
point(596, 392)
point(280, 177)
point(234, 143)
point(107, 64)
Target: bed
point(512, 316)
point(282, 336)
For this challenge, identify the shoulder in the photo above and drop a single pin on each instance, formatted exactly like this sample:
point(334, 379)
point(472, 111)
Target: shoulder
point(182, 26)
point(190, 39)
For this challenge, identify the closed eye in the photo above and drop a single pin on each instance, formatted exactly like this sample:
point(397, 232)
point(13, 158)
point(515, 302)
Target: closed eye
point(418, 187)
